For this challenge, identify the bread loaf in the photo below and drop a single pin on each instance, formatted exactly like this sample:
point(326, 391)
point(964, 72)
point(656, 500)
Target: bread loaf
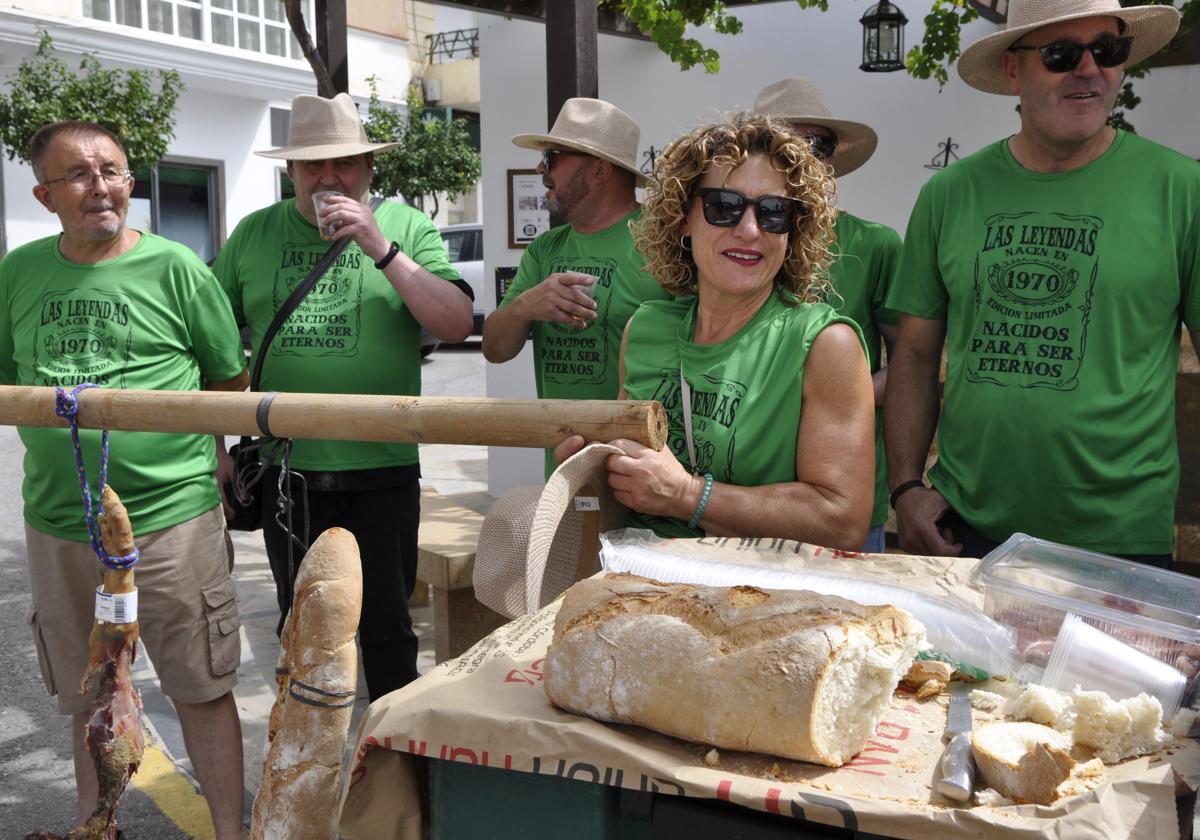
point(1022, 761)
point(318, 679)
point(794, 674)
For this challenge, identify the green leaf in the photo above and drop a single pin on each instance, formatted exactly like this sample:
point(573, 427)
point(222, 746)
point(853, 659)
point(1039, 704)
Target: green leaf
point(44, 90)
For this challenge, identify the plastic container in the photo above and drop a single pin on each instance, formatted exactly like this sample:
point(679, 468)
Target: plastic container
point(1030, 585)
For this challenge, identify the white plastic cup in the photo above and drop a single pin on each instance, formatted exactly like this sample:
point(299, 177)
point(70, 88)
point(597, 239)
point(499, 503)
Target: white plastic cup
point(588, 289)
point(1087, 657)
point(320, 200)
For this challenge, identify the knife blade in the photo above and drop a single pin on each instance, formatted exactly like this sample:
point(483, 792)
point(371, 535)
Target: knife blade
point(957, 768)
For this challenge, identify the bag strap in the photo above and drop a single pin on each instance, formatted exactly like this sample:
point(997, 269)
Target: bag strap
point(297, 295)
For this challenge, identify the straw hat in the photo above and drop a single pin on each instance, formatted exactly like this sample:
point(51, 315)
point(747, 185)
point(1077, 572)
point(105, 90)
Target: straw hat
point(325, 128)
point(531, 540)
point(795, 100)
point(982, 64)
point(594, 126)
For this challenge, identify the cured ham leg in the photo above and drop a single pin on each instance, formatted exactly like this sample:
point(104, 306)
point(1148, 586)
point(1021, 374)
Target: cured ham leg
point(114, 730)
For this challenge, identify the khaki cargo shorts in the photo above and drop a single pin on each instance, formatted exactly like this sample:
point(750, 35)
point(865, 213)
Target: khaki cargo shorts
point(187, 614)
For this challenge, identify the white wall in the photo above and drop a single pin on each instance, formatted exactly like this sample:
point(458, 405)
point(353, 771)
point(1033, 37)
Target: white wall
point(910, 116)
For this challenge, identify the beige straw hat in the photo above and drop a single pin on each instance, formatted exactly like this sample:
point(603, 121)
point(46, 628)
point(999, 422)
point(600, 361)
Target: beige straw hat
point(536, 541)
point(982, 64)
point(594, 126)
point(325, 128)
point(795, 100)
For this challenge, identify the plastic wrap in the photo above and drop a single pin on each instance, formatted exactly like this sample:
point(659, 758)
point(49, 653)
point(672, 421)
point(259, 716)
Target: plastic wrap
point(952, 627)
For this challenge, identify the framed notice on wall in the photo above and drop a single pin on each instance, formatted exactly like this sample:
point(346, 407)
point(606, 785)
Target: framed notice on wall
point(527, 213)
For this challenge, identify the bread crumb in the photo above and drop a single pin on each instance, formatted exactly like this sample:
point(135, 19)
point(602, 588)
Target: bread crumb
point(1183, 722)
point(986, 701)
point(712, 758)
point(927, 677)
point(991, 799)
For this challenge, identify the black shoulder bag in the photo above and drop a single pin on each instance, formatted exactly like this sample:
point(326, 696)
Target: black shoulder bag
point(245, 492)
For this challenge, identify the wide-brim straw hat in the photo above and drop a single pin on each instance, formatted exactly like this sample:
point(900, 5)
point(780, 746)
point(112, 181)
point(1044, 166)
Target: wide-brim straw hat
point(795, 100)
point(532, 540)
point(596, 127)
point(982, 64)
point(322, 129)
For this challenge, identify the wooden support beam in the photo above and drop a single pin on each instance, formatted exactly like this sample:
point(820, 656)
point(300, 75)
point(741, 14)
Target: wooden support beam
point(458, 420)
point(330, 24)
point(571, 46)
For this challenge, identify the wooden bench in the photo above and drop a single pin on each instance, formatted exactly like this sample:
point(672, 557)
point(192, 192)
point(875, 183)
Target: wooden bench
point(446, 560)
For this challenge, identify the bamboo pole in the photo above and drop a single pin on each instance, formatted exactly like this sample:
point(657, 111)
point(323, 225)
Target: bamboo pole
point(459, 420)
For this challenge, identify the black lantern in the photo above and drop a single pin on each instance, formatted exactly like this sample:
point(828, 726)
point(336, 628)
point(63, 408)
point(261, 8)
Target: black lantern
point(883, 38)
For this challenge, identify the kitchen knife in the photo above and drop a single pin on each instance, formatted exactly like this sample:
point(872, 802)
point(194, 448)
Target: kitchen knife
point(957, 770)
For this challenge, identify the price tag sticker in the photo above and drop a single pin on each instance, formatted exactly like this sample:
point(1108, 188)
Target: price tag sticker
point(586, 504)
point(116, 609)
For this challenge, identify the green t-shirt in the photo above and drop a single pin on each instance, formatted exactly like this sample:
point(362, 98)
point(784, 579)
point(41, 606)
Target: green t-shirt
point(581, 364)
point(750, 384)
point(352, 334)
point(866, 254)
point(1063, 295)
point(151, 319)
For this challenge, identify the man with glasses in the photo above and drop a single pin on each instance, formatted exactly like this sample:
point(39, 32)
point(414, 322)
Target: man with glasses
point(1057, 265)
point(578, 283)
point(122, 308)
point(866, 252)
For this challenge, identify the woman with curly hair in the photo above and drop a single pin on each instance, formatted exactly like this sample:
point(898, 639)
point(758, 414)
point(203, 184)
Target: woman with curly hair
point(766, 387)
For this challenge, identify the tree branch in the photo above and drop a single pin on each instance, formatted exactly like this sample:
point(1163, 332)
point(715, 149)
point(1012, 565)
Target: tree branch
point(295, 18)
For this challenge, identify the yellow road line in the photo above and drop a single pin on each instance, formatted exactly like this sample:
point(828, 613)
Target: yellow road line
point(174, 794)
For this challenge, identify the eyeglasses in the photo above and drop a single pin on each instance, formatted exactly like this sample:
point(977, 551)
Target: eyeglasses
point(725, 208)
point(548, 156)
point(1064, 56)
point(80, 181)
point(822, 145)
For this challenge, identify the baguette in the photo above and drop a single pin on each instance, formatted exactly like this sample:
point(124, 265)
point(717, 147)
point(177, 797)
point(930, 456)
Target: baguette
point(794, 674)
point(317, 678)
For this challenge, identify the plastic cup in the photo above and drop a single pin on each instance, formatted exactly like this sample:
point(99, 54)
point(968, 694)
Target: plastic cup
point(1087, 657)
point(320, 199)
point(588, 289)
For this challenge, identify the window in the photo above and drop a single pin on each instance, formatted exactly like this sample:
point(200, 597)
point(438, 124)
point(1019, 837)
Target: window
point(258, 26)
point(284, 188)
point(179, 201)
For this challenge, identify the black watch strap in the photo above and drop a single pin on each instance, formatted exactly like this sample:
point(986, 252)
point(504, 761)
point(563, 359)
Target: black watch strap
point(381, 264)
point(903, 488)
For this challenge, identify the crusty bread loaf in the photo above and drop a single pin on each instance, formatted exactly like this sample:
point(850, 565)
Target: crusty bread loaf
point(1024, 762)
point(318, 679)
point(795, 674)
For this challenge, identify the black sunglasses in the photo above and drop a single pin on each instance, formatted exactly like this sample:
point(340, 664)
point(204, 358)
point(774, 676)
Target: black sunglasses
point(1064, 56)
point(822, 145)
point(548, 156)
point(725, 208)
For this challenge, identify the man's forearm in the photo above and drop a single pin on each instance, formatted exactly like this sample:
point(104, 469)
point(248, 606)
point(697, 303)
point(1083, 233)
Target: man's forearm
point(910, 413)
point(504, 333)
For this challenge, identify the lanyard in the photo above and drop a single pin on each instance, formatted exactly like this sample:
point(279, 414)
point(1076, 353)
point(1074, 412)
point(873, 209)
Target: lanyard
point(686, 391)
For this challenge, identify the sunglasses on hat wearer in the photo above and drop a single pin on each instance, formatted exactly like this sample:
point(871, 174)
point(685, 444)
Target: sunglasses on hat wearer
point(822, 145)
point(725, 208)
point(548, 156)
point(1064, 56)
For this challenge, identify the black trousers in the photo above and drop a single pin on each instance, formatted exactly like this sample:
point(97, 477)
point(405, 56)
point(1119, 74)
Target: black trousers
point(382, 508)
point(976, 544)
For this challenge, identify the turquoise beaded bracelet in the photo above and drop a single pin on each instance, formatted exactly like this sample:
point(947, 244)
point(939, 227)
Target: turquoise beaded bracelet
point(708, 479)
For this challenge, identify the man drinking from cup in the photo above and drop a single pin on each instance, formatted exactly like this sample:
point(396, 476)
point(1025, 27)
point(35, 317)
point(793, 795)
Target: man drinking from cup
point(357, 331)
point(578, 283)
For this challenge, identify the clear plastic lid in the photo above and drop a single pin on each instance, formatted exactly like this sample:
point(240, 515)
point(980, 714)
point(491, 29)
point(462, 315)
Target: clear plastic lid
point(1073, 580)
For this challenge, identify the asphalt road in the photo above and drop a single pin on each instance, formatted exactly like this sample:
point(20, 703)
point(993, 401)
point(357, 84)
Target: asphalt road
point(37, 789)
